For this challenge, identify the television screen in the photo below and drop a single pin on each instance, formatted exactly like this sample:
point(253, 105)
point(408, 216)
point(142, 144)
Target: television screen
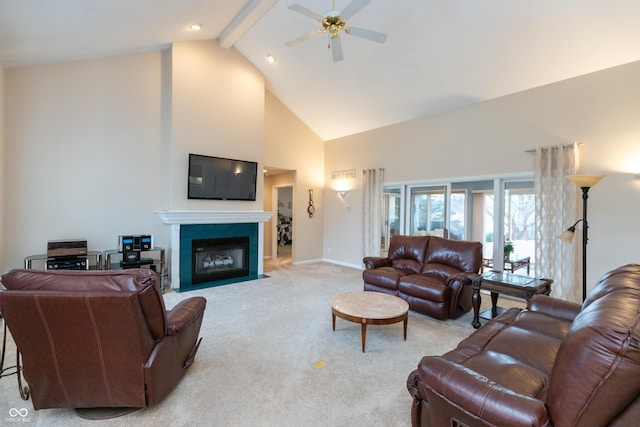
point(217, 178)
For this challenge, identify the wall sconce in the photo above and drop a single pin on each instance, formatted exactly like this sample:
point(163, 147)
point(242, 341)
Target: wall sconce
point(584, 182)
point(343, 181)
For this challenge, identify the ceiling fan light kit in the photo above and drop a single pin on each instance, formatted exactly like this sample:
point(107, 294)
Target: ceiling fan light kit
point(333, 22)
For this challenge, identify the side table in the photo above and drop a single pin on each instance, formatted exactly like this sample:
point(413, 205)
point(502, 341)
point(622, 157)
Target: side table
point(113, 258)
point(502, 282)
point(94, 259)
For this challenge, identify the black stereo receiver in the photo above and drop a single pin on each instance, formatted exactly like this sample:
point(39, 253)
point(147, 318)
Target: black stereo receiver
point(71, 263)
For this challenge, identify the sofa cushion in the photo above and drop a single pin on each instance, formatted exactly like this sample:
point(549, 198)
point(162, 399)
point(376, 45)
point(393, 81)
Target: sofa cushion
point(443, 271)
point(599, 354)
point(385, 277)
point(477, 341)
point(529, 347)
point(461, 255)
point(509, 372)
point(407, 252)
point(542, 323)
point(476, 398)
point(424, 286)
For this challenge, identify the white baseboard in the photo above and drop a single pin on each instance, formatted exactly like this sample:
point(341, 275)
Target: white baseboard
point(344, 264)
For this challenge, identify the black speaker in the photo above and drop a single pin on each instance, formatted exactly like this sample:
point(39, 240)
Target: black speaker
point(130, 257)
point(142, 242)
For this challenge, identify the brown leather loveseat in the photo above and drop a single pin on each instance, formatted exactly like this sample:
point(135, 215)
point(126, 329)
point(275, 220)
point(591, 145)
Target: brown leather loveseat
point(430, 273)
point(554, 363)
point(99, 339)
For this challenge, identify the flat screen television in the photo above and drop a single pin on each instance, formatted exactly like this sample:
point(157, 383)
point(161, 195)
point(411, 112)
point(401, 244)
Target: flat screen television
point(217, 178)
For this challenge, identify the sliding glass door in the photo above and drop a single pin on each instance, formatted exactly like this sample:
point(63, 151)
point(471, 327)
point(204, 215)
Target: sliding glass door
point(498, 212)
point(391, 215)
point(427, 211)
point(519, 226)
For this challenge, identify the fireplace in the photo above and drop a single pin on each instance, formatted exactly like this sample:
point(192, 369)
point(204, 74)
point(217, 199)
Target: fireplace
point(219, 259)
point(190, 225)
point(217, 254)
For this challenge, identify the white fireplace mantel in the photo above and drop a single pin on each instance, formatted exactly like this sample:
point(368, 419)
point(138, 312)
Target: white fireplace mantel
point(212, 217)
point(177, 218)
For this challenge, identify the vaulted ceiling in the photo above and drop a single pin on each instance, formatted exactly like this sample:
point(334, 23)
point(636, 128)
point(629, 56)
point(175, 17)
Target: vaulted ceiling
point(439, 54)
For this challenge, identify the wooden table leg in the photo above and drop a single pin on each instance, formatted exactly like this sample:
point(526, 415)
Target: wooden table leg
point(364, 334)
point(494, 304)
point(333, 319)
point(406, 319)
point(475, 301)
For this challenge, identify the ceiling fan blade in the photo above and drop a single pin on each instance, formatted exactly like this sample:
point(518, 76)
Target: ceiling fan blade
point(336, 49)
point(367, 34)
point(303, 10)
point(353, 8)
point(303, 38)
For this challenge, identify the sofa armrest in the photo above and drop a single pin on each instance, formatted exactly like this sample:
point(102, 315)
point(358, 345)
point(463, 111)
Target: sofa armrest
point(554, 307)
point(184, 314)
point(371, 262)
point(463, 278)
point(480, 397)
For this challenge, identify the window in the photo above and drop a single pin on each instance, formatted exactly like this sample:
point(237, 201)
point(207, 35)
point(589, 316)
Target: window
point(427, 211)
point(519, 219)
point(466, 210)
point(458, 215)
point(391, 217)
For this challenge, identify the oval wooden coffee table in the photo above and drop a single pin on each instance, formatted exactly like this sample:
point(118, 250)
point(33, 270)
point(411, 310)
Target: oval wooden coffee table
point(369, 308)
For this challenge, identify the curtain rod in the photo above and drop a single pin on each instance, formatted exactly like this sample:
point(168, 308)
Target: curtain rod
point(533, 150)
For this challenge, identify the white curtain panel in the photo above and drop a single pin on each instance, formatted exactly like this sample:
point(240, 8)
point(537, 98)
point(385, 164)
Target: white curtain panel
point(372, 183)
point(557, 210)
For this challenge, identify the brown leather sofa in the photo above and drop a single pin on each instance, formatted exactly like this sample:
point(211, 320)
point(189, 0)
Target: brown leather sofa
point(98, 339)
point(554, 363)
point(430, 273)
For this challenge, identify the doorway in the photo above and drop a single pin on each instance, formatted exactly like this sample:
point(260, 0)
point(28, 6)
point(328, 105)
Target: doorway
point(284, 221)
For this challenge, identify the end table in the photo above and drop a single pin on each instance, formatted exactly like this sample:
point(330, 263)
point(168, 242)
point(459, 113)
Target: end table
point(502, 282)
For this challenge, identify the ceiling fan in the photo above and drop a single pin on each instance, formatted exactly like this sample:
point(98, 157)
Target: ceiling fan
point(333, 22)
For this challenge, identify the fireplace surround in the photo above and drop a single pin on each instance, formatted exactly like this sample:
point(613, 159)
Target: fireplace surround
point(218, 254)
point(187, 226)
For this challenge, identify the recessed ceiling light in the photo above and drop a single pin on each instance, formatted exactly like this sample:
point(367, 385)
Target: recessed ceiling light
point(271, 59)
point(195, 27)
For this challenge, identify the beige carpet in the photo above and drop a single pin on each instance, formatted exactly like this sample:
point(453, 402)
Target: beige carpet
point(270, 358)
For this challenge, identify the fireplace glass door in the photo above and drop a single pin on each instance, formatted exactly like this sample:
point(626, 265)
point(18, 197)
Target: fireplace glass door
point(219, 259)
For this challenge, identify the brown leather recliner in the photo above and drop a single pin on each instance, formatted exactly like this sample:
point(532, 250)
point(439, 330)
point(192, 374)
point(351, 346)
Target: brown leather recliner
point(99, 339)
point(554, 363)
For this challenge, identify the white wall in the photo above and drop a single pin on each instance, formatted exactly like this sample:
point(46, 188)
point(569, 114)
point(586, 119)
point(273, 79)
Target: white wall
point(217, 110)
point(600, 110)
point(83, 155)
point(94, 148)
point(291, 145)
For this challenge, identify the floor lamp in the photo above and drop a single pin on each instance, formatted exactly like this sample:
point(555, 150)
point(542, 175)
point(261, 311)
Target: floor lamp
point(585, 182)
